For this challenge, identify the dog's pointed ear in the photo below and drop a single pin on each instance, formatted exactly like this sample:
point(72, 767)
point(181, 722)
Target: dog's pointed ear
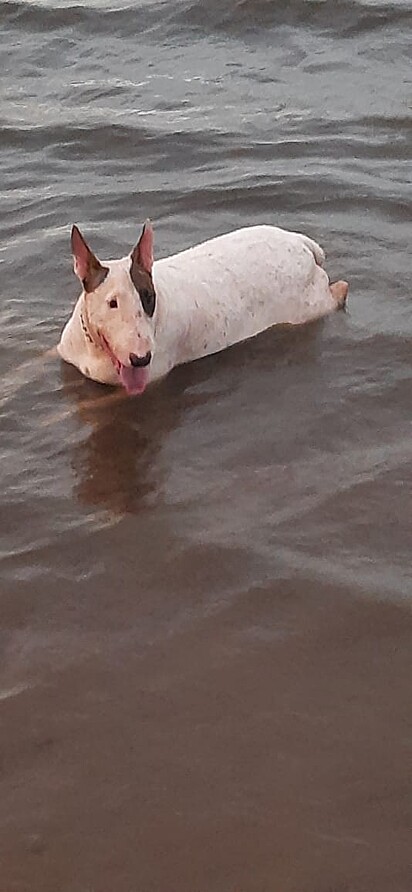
point(86, 266)
point(142, 254)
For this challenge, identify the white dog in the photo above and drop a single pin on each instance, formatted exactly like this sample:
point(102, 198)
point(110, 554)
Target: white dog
point(136, 319)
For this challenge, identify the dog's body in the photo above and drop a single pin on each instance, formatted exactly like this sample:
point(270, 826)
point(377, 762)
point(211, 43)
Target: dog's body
point(124, 330)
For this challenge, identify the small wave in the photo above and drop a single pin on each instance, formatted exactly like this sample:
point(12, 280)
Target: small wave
point(9, 693)
point(245, 16)
point(354, 137)
point(34, 17)
point(64, 142)
point(233, 18)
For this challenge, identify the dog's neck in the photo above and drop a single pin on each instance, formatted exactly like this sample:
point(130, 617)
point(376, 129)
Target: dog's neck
point(87, 330)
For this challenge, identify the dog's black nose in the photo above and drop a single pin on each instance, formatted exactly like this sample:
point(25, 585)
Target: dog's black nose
point(139, 361)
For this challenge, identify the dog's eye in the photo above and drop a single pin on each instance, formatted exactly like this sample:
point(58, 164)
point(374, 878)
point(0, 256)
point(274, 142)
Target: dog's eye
point(148, 299)
point(113, 303)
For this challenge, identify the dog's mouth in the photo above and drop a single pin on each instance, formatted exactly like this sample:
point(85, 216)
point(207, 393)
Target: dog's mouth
point(133, 378)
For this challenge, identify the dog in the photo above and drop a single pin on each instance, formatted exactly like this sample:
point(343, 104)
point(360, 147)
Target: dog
point(136, 319)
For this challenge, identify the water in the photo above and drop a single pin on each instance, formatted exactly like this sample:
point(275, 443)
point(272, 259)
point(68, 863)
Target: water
point(205, 592)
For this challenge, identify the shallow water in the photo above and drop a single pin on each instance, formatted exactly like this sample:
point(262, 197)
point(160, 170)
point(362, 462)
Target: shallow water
point(205, 592)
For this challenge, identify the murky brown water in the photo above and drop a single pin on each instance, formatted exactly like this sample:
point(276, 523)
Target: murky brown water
point(205, 593)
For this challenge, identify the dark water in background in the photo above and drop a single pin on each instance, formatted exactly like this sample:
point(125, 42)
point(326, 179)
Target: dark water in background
point(205, 593)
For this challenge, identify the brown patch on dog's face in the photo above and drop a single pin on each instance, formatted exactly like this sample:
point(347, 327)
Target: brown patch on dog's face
point(141, 269)
point(143, 283)
point(95, 275)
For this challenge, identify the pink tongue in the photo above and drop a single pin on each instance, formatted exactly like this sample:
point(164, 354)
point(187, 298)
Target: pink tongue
point(134, 380)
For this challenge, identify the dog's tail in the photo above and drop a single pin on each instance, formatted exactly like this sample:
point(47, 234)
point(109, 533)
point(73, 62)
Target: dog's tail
point(339, 291)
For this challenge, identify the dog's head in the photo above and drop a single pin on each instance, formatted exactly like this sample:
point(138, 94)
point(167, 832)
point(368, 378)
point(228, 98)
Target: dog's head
point(120, 306)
